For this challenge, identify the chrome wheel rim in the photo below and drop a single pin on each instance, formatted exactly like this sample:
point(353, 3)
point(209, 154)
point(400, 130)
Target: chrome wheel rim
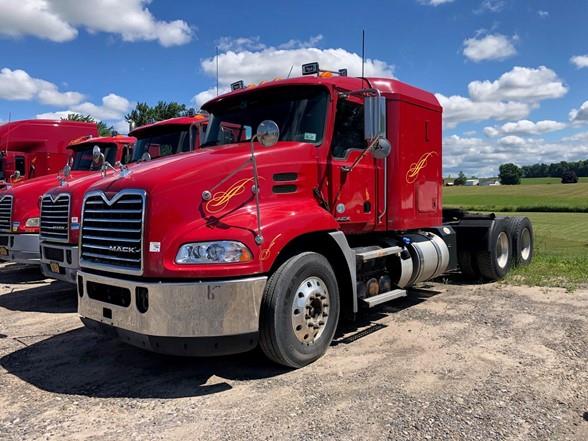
point(502, 248)
point(525, 244)
point(310, 310)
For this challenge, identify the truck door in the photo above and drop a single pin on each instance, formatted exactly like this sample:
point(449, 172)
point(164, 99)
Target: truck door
point(353, 199)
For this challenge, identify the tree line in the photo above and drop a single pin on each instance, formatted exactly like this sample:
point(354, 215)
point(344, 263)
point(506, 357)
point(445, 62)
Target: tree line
point(555, 169)
point(142, 114)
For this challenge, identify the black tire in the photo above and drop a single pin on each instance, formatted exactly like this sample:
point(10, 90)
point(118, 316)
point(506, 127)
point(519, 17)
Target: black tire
point(277, 337)
point(521, 231)
point(467, 265)
point(495, 261)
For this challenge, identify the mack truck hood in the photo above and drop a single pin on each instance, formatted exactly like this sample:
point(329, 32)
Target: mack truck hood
point(26, 199)
point(207, 195)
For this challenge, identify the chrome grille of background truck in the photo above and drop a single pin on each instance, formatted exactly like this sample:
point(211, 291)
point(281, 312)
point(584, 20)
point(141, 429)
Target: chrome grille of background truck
point(112, 231)
point(55, 218)
point(5, 212)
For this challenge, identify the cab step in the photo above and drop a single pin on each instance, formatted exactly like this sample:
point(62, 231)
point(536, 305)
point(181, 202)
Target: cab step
point(368, 253)
point(370, 302)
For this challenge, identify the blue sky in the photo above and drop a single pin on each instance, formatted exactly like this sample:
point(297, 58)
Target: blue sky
point(512, 74)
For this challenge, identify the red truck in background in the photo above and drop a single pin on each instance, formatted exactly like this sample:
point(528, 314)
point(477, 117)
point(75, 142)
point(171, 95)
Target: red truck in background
point(330, 203)
point(20, 204)
point(37, 147)
point(60, 233)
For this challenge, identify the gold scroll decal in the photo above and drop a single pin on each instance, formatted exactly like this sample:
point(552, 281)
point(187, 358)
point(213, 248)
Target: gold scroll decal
point(264, 255)
point(221, 199)
point(415, 168)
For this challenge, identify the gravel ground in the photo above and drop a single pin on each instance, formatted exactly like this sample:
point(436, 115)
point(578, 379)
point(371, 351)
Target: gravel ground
point(457, 362)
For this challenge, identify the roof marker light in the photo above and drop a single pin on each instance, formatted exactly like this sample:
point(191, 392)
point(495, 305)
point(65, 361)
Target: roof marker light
point(238, 85)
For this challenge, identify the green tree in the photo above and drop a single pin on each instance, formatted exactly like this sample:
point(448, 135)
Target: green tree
point(143, 113)
point(103, 129)
point(510, 174)
point(461, 179)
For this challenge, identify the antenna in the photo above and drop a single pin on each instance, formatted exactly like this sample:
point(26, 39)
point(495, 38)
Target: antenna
point(362, 52)
point(290, 73)
point(8, 132)
point(217, 71)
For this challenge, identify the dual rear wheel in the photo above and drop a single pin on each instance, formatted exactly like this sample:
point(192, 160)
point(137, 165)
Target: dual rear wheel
point(510, 244)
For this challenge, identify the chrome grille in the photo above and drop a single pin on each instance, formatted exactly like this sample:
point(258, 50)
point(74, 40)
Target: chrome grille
point(5, 213)
point(112, 231)
point(55, 218)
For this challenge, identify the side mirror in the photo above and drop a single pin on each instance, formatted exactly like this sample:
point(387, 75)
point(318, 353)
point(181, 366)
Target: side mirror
point(146, 157)
point(381, 148)
point(374, 117)
point(66, 171)
point(268, 133)
point(16, 175)
point(132, 125)
point(97, 155)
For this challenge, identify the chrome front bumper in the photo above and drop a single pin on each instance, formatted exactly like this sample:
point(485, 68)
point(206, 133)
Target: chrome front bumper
point(184, 318)
point(20, 248)
point(66, 256)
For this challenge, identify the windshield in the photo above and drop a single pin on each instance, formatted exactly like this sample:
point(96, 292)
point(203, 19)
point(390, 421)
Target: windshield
point(82, 156)
point(299, 112)
point(163, 141)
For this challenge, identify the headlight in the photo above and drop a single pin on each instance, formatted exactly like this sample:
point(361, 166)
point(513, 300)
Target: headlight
point(32, 222)
point(224, 251)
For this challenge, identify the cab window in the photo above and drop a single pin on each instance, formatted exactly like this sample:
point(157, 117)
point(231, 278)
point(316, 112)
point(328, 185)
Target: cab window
point(20, 165)
point(348, 131)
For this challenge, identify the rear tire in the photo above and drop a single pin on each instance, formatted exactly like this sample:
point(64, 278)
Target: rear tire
point(495, 261)
point(522, 240)
point(299, 311)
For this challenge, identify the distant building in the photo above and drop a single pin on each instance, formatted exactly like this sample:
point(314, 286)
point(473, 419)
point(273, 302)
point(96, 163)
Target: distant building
point(472, 182)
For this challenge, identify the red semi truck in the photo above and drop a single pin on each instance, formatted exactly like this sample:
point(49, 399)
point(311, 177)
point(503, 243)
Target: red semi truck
point(37, 147)
point(60, 234)
point(331, 204)
point(20, 204)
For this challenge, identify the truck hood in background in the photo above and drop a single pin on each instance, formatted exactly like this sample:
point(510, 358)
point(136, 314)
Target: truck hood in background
point(202, 167)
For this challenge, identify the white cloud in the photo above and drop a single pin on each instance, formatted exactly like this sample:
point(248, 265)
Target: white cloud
point(489, 47)
point(520, 84)
point(578, 137)
point(478, 157)
point(458, 109)
point(113, 108)
point(240, 44)
point(434, 2)
point(253, 66)
point(491, 6)
point(513, 96)
point(580, 115)
point(59, 20)
point(580, 61)
point(19, 85)
point(525, 127)
point(543, 14)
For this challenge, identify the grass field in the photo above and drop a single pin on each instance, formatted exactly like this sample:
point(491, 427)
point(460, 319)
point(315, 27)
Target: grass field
point(540, 181)
point(559, 214)
point(561, 251)
point(527, 198)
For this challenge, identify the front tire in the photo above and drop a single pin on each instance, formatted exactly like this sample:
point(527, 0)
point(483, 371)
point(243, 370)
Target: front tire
point(299, 310)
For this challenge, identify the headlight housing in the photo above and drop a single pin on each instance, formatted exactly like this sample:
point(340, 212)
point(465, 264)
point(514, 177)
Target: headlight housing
point(32, 222)
point(223, 251)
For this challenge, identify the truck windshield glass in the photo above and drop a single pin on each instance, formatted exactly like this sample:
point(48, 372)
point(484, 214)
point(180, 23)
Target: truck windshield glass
point(299, 111)
point(162, 141)
point(82, 157)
